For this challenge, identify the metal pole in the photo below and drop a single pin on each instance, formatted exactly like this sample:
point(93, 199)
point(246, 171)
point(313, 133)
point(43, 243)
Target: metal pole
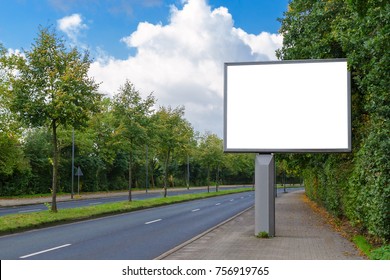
point(72, 192)
point(265, 194)
point(188, 172)
point(147, 169)
point(78, 181)
point(275, 181)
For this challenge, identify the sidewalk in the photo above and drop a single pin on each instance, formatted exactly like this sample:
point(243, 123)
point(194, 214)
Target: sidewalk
point(63, 197)
point(301, 234)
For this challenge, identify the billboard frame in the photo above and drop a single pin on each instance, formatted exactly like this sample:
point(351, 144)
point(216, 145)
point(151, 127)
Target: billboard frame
point(287, 150)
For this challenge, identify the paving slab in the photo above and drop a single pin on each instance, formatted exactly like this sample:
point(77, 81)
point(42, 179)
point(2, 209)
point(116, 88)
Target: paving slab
point(301, 234)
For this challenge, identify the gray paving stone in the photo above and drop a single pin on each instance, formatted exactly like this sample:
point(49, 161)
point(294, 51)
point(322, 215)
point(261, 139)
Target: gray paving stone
point(301, 234)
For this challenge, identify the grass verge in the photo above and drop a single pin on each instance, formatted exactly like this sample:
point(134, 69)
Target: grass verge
point(21, 222)
point(381, 253)
point(362, 244)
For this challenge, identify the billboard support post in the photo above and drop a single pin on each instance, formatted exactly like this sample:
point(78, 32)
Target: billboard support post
point(265, 194)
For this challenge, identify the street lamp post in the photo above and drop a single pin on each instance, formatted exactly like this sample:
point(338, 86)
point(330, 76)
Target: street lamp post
point(188, 172)
point(147, 169)
point(71, 195)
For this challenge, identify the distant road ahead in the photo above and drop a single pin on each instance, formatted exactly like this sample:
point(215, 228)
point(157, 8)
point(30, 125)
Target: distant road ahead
point(102, 200)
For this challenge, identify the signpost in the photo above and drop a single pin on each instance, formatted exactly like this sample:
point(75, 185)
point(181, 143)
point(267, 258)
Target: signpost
point(78, 174)
point(310, 99)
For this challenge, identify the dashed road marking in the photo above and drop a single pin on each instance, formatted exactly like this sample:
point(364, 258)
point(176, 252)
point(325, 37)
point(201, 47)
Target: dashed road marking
point(44, 251)
point(195, 210)
point(154, 221)
point(218, 204)
point(95, 203)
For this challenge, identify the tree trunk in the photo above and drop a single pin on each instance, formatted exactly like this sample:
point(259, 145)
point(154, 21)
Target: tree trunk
point(55, 168)
point(166, 173)
point(217, 180)
point(152, 179)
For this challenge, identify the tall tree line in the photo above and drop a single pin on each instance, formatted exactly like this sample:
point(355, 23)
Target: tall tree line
point(122, 142)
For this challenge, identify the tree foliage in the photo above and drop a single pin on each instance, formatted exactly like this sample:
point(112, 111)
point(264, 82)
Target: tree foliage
point(51, 88)
point(173, 133)
point(211, 156)
point(358, 185)
point(132, 115)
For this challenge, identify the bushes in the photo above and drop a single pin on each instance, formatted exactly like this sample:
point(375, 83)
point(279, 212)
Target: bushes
point(370, 184)
point(357, 185)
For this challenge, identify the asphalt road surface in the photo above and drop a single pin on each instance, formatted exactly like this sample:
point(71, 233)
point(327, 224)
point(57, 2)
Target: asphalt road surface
point(95, 201)
point(144, 234)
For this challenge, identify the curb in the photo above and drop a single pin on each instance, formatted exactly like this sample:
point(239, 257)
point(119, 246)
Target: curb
point(178, 247)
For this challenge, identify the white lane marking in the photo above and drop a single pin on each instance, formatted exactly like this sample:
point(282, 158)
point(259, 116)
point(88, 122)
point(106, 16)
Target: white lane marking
point(218, 204)
point(195, 210)
point(44, 251)
point(31, 210)
point(242, 197)
point(231, 199)
point(95, 203)
point(154, 221)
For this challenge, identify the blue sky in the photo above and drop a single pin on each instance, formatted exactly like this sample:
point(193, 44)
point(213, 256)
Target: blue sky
point(175, 48)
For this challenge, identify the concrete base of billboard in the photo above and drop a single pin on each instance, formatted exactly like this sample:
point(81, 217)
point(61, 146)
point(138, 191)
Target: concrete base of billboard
point(265, 194)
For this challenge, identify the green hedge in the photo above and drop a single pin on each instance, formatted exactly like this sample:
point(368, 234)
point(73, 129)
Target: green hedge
point(356, 185)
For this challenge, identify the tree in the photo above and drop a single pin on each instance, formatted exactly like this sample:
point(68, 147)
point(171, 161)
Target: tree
point(307, 30)
point(51, 88)
point(239, 168)
point(211, 154)
point(353, 185)
point(173, 133)
point(132, 114)
point(12, 160)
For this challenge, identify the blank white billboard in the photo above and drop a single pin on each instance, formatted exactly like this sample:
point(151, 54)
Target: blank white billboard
point(287, 106)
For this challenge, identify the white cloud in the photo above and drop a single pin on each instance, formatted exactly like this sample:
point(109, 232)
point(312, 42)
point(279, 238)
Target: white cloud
point(72, 26)
point(16, 52)
point(182, 62)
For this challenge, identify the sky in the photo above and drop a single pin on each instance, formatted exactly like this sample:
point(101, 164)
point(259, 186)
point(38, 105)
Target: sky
point(173, 48)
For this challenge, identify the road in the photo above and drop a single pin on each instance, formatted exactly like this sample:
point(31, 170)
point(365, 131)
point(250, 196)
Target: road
point(143, 234)
point(102, 200)
point(95, 201)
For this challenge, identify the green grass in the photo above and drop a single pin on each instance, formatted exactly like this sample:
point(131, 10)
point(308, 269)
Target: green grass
point(262, 234)
point(363, 245)
point(21, 222)
point(382, 253)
